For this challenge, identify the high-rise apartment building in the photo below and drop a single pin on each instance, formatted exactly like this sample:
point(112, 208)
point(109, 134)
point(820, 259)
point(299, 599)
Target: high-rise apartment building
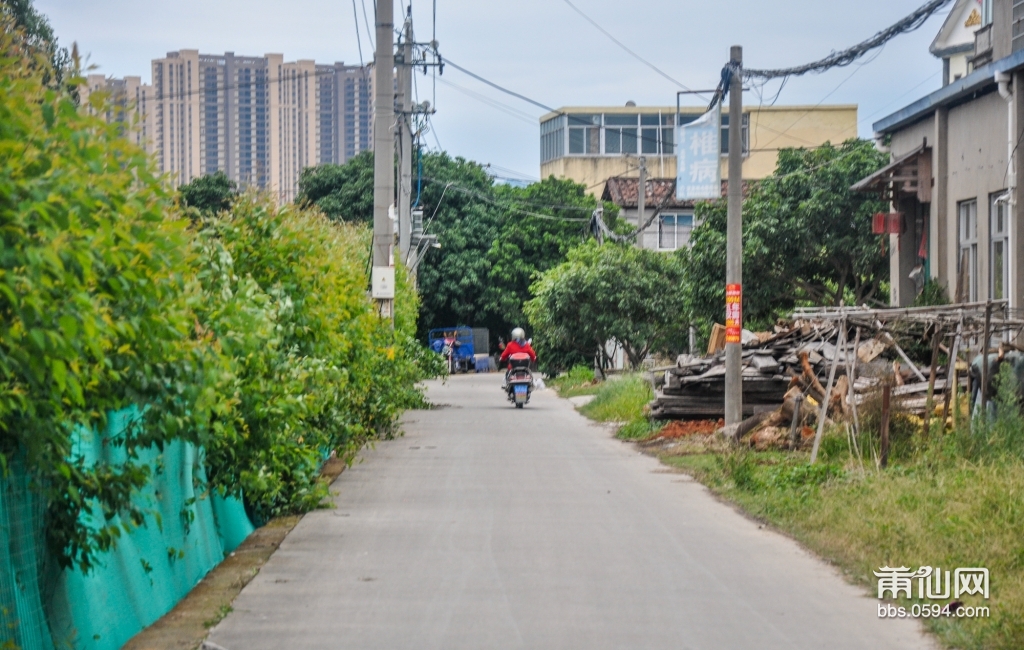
point(128, 102)
point(259, 119)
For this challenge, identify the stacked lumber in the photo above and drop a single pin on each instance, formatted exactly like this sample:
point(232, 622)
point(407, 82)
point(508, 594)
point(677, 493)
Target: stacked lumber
point(695, 387)
point(799, 356)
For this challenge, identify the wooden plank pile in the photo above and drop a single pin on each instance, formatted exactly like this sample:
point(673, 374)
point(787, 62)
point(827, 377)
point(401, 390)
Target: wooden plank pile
point(695, 387)
point(801, 355)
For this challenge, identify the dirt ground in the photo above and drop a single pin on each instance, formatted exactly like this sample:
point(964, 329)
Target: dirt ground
point(683, 428)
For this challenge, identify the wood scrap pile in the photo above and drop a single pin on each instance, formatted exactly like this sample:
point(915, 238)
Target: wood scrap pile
point(808, 372)
point(695, 387)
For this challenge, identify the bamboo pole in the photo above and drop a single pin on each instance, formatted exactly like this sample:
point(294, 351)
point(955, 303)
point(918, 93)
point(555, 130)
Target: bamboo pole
point(828, 392)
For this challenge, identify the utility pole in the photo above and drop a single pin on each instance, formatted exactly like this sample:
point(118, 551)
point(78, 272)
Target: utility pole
point(384, 160)
point(404, 105)
point(641, 199)
point(734, 248)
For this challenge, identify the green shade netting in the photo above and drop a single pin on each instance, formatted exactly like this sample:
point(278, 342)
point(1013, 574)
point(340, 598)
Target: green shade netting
point(188, 531)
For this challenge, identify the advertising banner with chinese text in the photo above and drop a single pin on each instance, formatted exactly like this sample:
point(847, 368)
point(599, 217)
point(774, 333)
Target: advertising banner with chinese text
point(699, 155)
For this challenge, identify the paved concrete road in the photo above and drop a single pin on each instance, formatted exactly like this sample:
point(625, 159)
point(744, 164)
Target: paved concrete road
point(486, 527)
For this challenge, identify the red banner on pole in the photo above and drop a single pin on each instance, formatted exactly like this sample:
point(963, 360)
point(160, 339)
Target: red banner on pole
point(733, 313)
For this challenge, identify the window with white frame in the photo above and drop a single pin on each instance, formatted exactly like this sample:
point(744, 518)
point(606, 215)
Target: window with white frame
point(584, 134)
point(968, 247)
point(611, 134)
point(999, 247)
point(674, 231)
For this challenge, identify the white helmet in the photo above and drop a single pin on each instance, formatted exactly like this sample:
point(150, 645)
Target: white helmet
point(518, 334)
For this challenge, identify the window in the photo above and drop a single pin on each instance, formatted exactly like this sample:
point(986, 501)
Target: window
point(674, 231)
point(968, 245)
point(552, 139)
point(999, 276)
point(620, 133)
point(1017, 29)
point(585, 134)
point(745, 134)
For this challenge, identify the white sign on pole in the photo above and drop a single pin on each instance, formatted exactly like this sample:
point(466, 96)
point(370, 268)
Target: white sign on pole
point(383, 283)
point(699, 157)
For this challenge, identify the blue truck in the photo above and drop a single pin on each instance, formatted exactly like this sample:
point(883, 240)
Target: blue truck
point(462, 355)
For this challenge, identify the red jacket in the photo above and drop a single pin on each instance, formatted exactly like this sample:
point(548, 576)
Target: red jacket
point(515, 347)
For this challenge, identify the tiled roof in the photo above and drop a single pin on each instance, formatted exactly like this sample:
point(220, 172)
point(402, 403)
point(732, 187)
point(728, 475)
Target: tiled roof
point(623, 192)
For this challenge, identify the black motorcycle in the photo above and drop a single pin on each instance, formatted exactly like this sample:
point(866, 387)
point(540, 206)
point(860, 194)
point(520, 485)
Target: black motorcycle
point(519, 380)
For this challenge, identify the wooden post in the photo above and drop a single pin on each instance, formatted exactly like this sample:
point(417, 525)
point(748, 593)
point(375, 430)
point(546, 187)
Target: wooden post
point(886, 396)
point(929, 405)
point(794, 432)
point(952, 379)
point(985, 380)
point(828, 393)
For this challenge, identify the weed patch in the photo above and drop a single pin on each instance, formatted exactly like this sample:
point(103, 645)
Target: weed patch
point(620, 400)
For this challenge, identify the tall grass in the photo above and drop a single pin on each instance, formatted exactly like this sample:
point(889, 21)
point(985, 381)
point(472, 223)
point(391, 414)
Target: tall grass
point(578, 381)
point(949, 499)
point(620, 400)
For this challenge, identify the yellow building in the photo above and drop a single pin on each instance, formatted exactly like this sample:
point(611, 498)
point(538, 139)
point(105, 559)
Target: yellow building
point(590, 144)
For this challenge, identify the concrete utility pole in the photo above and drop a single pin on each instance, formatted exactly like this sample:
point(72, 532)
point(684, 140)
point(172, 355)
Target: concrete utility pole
point(384, 157)
point(641, 200)
point(404, 105)
point(734, 248)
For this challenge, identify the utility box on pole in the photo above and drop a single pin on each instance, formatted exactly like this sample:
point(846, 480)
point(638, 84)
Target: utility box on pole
point(734, 247)
point(384, 148)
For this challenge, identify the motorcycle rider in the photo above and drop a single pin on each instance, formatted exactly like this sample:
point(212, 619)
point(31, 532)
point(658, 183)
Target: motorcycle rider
point(517, 345)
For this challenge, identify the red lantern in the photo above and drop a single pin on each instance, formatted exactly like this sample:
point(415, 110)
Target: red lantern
point(878, 223)
point(887, 223)
point(895, 223)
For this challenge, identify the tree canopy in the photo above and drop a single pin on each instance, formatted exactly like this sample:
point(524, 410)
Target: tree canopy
point(211, 193)
point(342, 192)
point(806, 238)
point(611, 292)
point(492, 241)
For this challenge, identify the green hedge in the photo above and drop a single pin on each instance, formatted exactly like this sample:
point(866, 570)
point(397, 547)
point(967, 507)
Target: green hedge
point(248, 333)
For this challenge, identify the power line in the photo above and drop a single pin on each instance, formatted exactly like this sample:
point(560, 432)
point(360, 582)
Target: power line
point(808, 112)
point(518, 174)
point(629, 51)
point(504, 90)
point(852, 54)
point(639, 137)
point(885, 106)
point(359, 41)
point(492, 103)
point(369, 32)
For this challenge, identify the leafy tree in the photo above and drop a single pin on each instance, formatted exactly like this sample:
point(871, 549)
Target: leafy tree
point(342, 192)
point(614, 291)
point(34, 30)
point(528, 245)
point(94, 306)
point(458, 207)
point(806, 238)
point(211, 193)
point(491, 249)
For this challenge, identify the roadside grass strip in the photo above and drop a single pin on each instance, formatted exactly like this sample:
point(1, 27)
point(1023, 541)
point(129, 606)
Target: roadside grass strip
point(923, 513)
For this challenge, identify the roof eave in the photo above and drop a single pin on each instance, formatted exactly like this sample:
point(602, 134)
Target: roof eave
point(957, 90)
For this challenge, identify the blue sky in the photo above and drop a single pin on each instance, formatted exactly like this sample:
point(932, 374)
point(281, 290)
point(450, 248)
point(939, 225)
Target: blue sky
point(540, 48)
